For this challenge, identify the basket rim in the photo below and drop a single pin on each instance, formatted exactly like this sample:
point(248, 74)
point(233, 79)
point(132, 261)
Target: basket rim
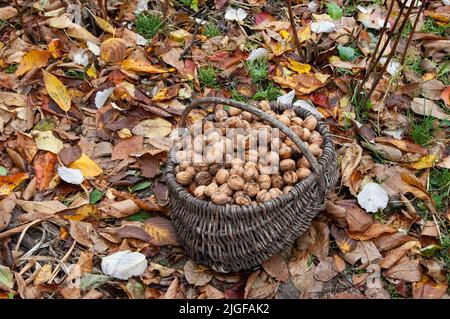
point(233, 209)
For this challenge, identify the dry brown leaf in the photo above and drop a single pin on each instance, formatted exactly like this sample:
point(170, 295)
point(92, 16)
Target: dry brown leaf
point(276, 267)
point(428, 289)
point(365, 251)
point(395, 255)
point(387, 242)
point(120, 209)
point(302, 274)
point(350, 161)
point(358, 220)
point(426, 107)
point(259, 286)
point(82, 232)
point(432, 89)
point(409, 271)
point(196, 275)
point(373, 231)
point(325, 270)
point(127, 146)
point(161, 231)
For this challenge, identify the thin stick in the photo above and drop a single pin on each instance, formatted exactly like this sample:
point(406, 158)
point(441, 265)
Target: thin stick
point(194, 35)
point(58, 268)
point(391, 54)
point(422, 7)
point(294, 29)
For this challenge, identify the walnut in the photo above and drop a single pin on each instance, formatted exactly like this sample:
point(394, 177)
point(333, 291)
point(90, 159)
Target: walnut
point(289, 113)
point(211, 189)
point(251, 189)
point(214, 168)
point(191, 170)
point(222, 176)
point(243, 200)
point(303, 162)
point(235, 182)
point(237, 170)
point(220, 198)
point(287, 189)
point(306, 134)
point(285, 151)
point(264, 181)
point(224, 188)
point(297, 129)
point(203, 178)
point(220, 115)
point(251, 174)
point(316, 138)
point(263, 196)
point(247, 116)
point(184, 178)
point(264, 105)
point(199, 192)
point(287, 164)
point(310, 123)
point(297, 121)
point(237, 162)
point(284, 119)
point(290, 177)
point(234, 111)
point(303, 173)
point(275, 192)
point(315, 150)
point(201, 166)
point(276, 181)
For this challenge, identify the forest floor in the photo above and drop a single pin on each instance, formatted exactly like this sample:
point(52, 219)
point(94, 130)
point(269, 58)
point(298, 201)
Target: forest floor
point(85, 120)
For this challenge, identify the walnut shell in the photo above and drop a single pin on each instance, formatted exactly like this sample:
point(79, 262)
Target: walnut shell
point(277, 181)
point(315, 150)
point(199, 192)
point(275, 192)
point(289, 113)
point(303, 173)
point(220, 198)
point(220, 115)
point(251, 174)
point(290, 178)
point(287, 189)
point(306, 134)
point(284, 119)
point(184, 178)
point(247, 116)
point(310, 123)
point(316, 138)
point(285, 151)
point(297, 121)
point(236, 182)
point(211, 189)
point(184, 164)
point(203, 178)
point(224, 188)
point(287, 164)
point(264, 181)
point(234, 111)
point(222, 176)
point(237, 170)
point(303, 162)
point(237, 162)
point(243, 200)
point(263, 196)
point(251, 189)
point(200, 166)
point(297, 129)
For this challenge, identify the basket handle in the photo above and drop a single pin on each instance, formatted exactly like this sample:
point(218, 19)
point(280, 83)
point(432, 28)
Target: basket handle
point(266, 117)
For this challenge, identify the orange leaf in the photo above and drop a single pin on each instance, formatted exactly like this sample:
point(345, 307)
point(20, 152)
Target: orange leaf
point(34, 58)
point(403, 145)
point(57, 91)
point(141, 67)
point(161, 231)
point(44, 168)
point(8, 183)
point(445, 95)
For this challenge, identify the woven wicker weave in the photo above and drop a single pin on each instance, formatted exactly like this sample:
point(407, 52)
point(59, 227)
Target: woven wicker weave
point(233, 238)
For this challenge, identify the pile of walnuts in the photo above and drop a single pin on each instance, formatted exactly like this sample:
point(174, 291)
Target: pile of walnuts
point(250, 180)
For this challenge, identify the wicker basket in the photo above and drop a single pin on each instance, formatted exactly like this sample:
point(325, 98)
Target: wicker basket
point(233, 238)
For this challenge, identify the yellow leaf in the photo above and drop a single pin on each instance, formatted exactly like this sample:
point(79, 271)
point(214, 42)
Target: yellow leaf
point(161, 231)
point(304, 34)
point(81, 213)
point(104, 25)
point(57, 91)
point(46, 141)
point(426, 161)
point(285, 34)
point(156, 127)
point(8, 183)
point(87, 166)
point(34, 58)
point(334, 58)
point(81, 33)
point(91, 72)
point(44, 274)
point(299, 67)
point(141, 67)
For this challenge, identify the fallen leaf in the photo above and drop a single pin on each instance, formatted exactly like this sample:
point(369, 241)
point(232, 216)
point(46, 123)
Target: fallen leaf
point(427, 288)
point(7, 13)
point(120, 209)
point(365, 251)
point(161, 231)
point(396, 254)
point(237, 15)
point(57, 91)
point(325, 270)
point(6, 278)
point(141, 67)
point(87, 166)
point(426, 107)
point(70, 175)
point(127, 146)
point(44, 169)
point(46, 141)
point(408, 271)
point(196, 275)
point(34, 58)
point(258, 286)
point(358, 221)
point(124, 264)
point(10, 182)
point(44, 274)
point(276, 267)
point(44, 207)
point(156, 127)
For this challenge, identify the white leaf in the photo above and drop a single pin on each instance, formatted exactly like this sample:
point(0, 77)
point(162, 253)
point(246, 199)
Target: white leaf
point(397, 134)
point(140, 40)
point(257, 54)
point(70, 175)
point(95, 49)
point(287, 98)
point(323, 27)
point(235, 15)
point(309, 107)
point(80, 57)
point(142, 5)
point(312, 6)
point(446, 2)
point(373, 197)
point(392, 67)
point(102, 96)
point(124, 264)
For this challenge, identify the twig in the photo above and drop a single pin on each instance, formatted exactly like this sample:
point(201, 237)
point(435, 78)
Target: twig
point(294, 29)
point(422, 7)
point(22, 24)
point(194, 35)
point(58, 268)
